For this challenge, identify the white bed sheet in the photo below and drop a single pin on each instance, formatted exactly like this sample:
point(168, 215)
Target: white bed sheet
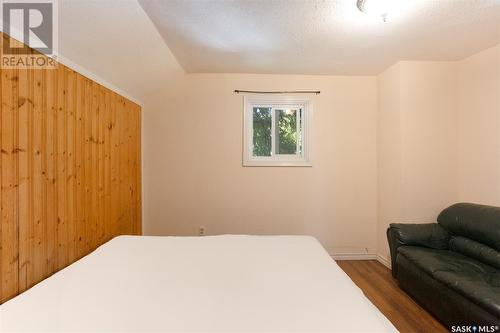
point(198, 284)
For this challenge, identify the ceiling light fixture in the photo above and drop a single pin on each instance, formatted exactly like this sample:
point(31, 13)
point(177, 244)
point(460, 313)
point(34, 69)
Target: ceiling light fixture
point(379, 8)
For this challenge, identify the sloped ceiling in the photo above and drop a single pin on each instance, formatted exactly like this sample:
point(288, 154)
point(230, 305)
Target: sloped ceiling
point(117, 41)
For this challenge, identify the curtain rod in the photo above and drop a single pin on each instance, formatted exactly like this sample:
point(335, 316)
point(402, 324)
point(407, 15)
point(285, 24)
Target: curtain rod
point(279, 92)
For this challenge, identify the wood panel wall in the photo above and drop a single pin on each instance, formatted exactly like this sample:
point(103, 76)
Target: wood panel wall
point(69, 171)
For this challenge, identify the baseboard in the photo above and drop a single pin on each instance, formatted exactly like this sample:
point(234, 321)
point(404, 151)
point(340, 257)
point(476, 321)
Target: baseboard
point(361, 256)
point(384, 261)
point(354, 256)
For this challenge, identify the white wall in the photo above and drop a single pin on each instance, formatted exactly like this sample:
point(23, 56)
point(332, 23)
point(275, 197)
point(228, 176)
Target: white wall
point(417, 148)
point(399, 147)
point(396, 148)
point(389, 148)
point(429, 125)
point(193, 173)
point(479, 127)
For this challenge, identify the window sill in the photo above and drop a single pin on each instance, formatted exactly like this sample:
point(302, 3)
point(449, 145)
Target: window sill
point(277, 164)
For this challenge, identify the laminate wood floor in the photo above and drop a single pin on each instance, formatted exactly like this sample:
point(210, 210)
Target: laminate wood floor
point(376, 281)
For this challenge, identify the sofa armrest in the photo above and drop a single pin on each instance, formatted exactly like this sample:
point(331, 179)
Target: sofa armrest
point(430, 235)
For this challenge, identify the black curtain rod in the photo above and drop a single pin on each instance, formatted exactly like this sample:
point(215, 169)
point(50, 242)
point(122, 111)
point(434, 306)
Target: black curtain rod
point(279, 92)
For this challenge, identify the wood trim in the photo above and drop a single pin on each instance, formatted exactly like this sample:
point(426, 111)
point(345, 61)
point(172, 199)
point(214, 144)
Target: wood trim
point(70, 171)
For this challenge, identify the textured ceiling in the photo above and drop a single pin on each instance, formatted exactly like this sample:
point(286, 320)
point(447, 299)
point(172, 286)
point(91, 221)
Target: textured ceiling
point(319, 37)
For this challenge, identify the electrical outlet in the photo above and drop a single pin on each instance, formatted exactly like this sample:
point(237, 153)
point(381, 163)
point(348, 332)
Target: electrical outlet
point(201, 231)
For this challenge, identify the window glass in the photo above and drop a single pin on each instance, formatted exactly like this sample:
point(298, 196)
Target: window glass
point(286, 131)
point(276, 131)
point(262, 127)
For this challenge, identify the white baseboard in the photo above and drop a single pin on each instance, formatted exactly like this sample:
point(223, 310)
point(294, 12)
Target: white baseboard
point(361, 256)
point(384, 261)
point(354, 256)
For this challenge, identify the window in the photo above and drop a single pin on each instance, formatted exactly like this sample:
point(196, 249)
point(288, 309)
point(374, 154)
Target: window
point(276, 131)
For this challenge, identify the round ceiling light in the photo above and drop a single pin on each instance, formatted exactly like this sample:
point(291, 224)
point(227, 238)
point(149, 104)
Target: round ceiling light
point(380, 8)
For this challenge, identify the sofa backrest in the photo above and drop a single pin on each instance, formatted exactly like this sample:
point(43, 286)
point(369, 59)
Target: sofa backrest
point(473, 249)
point(477, 222)
point(475, 231)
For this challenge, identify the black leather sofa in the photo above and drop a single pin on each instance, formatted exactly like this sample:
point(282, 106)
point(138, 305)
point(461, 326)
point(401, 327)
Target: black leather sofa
point(452, 268)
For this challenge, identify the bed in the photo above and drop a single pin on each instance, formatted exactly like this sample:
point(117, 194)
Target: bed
point(223, 283)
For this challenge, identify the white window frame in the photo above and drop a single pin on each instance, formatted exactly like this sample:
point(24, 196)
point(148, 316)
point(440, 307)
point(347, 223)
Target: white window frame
point(276, 102)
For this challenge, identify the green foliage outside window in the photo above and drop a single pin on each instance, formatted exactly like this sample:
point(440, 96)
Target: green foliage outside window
point(286, 141)
point(262, 122)
point(285, 127)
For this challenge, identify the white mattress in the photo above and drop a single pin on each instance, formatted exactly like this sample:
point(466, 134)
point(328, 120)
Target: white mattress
point(198, 284)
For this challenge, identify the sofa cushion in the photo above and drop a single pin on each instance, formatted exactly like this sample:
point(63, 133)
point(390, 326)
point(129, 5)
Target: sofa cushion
point(471, 278)
point(477, 222)
point(473, 249)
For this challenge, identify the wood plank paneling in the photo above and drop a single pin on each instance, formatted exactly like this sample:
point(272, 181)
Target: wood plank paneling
point(9, 223)
point(37, 179)
point(70, 162)
point(61, 170)
point(106, 122)
point(69, 172)
point(25, 121)
point(80, 170)
point(50, 169)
